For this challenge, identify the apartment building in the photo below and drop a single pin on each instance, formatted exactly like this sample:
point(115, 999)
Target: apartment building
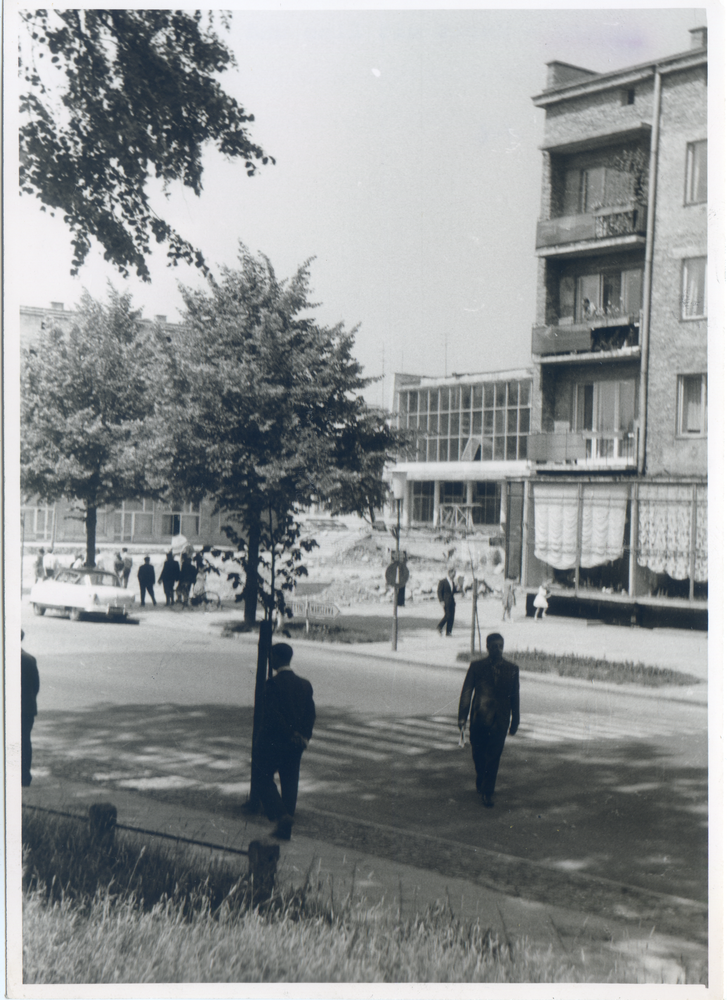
point(616, 502)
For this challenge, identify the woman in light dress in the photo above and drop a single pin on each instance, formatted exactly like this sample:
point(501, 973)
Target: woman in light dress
point(541, 600)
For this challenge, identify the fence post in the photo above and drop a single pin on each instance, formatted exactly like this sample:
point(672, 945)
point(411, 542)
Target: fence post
point(102, 825)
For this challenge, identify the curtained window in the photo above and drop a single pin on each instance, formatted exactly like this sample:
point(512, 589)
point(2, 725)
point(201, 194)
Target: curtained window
point(603, 520)
point(665, 530)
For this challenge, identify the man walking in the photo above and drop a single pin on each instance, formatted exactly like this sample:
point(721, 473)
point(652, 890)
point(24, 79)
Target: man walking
point(445, 596)
point(128, 564)
point(168, 577)
point(491, 700)
point(288, 716)
point(147, 578)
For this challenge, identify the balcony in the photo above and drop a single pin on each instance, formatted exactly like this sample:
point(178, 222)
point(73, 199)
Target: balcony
point(611, 226)
point(587, 450)
point(604, 335)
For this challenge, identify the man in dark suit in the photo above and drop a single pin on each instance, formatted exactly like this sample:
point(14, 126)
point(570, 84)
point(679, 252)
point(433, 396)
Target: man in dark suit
point(445, 596)
point(289, 713)
point(491, 700)
point(29, 687)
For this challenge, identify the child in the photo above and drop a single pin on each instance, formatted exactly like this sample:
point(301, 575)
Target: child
point(508, 599)
point(541, 600)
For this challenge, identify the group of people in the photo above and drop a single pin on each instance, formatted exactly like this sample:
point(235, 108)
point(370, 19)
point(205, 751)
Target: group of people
point(449, 586)
point(173, 576)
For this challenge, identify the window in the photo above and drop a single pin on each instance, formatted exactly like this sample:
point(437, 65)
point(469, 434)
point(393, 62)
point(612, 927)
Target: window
point(134, 520)
point(487, 495)
point(586, 190)
point(694, 288)
point(184, 521)
point(468, 423)
point(423, 501)
point(606, 412)
point(696, 179)
point(692, 406)
point(628, 96)
point(608, 294)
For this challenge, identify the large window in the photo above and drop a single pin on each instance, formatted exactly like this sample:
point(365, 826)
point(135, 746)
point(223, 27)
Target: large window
point(423, 501)
point(602, 294)
point(134, 520)
point(696, 178)
point(605, 412)
point(692, 406)
point(469, 423)
point(488, 496)
point(184, 521)
point(594, 187)
point(694, 288)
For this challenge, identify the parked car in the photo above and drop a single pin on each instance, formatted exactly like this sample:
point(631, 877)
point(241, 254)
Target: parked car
point(82, 591)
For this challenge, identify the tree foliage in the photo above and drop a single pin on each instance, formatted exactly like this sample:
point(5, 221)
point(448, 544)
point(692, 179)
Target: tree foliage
point(124, 94)
point(269, 415)
point(87, 428)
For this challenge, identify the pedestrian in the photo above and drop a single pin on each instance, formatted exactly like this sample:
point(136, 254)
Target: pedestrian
point(29, 687)
point(79, 561)
point(508, 599)
point(491, 700)
point(169, 577)
point(119, 565)
point(147, 578)
point(541, 600)
point(289, 713)
point(50, 563)
point(187, 577)
point(39, 570)
point(445, 595)
point(100, 564)
point(128, 564)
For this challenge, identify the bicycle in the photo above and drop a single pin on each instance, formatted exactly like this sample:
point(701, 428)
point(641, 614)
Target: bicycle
point(208, 600)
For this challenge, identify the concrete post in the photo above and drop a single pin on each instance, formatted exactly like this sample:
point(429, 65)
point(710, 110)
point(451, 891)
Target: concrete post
point(435, 513)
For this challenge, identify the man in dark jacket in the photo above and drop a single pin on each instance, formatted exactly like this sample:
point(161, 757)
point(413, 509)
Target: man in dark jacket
point(289, 713)
point(29, 687)
point(168, 577)
point(491, 700)
point(187, 577)
point(147, 578)
point(445, 596)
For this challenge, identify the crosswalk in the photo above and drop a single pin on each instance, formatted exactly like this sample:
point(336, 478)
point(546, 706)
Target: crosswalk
point(129, 760)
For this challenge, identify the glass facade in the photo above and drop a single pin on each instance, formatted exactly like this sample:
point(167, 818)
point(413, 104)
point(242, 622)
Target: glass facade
point(480, 422)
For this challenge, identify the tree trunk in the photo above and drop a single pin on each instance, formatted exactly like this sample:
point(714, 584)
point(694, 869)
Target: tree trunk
point(250, 588)
point(91, 536)
point(253, 804)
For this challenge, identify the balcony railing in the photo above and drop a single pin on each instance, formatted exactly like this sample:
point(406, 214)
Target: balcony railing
point(605, 223)
point(593, 334)
point(592, 449)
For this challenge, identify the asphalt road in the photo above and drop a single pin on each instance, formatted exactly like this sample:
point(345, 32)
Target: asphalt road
point(596, 785)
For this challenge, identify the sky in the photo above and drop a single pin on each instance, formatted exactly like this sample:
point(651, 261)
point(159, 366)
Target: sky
point(407, 165)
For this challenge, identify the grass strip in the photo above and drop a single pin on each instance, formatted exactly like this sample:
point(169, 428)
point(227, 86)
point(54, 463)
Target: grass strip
point(592, 669)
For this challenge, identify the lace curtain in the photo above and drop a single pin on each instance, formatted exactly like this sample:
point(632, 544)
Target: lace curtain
point(556, 524)
point(665, 530)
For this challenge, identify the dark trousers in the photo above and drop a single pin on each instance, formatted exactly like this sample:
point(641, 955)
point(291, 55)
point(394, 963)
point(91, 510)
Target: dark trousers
point(169, 593)
point(147, 588)
point(26, 756)
point(448, 619)
point(286, 763)
point(487, 745)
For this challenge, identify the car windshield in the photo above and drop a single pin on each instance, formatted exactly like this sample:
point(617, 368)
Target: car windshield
point(98, 579)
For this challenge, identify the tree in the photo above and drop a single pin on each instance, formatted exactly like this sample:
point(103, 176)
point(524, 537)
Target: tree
point(87, 430)
point(268, 412)
point(139, 94)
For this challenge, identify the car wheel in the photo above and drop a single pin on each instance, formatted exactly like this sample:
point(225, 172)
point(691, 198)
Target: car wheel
point(38, 609)
point(74, 614)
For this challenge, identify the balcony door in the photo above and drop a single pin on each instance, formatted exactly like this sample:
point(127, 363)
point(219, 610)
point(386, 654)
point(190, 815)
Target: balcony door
point(605, 412)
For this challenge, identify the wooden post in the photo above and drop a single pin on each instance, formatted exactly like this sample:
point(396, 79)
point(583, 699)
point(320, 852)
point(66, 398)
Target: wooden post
point(527, 509)
point(102, 825)
point(262, 869)
point(474, 616)
point(579, 537)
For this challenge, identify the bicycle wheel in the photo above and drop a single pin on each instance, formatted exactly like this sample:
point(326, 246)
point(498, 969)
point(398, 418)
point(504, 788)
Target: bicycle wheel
point(211, 601)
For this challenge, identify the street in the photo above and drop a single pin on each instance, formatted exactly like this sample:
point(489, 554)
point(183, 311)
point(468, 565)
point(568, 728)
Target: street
point(596, 784)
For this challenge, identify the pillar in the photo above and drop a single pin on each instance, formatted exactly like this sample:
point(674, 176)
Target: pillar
point(435, 512)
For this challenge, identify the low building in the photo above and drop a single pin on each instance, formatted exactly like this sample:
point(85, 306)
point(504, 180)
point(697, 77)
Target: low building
point(467, 462)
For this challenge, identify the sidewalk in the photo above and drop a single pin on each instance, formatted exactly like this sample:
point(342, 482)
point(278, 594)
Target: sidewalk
point(593, 942)
point(418, 642)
